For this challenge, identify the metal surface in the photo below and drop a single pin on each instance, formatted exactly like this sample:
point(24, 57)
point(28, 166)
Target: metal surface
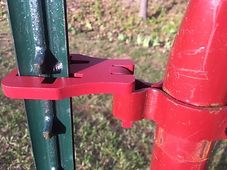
point(189, 107)
point(133, 100)
point(196, 71)
point(196, 74)
point(191, 128)
point(39, 33)
point(114, 76)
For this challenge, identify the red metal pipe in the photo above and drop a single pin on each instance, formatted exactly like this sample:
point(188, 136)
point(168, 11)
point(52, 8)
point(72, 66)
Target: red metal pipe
point(196, 74)
point(172, 152)
point(187, 121)
point(196, 71)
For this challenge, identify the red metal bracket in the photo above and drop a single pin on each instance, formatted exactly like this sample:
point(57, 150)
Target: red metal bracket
point(87, 76)
point(190, 108)
point(133, 99)
point(181, 124)
point(175, 117)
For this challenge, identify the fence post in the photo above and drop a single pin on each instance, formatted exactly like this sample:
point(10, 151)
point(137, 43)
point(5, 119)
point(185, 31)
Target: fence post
point(41, 45)
point(189, 107)
point(196, 75)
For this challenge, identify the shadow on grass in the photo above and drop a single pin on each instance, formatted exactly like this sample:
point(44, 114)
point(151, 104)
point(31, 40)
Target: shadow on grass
point(104, 144)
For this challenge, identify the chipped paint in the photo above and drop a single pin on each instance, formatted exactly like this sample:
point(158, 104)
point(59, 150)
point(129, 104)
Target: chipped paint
point(195, 51)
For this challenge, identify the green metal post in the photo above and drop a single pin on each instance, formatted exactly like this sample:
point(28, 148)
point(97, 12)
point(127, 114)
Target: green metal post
point(41, 45)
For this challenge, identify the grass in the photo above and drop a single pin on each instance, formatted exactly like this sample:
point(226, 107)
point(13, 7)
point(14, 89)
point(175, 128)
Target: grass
point(111, 30)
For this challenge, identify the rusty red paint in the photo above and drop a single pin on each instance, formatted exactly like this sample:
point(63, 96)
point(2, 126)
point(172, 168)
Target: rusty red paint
point(173, 152)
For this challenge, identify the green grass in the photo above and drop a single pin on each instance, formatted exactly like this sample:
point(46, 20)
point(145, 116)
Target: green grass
point(103, 30)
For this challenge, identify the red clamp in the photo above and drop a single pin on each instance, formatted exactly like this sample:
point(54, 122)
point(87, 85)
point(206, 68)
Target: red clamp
point(87, 76)
point(133, 99)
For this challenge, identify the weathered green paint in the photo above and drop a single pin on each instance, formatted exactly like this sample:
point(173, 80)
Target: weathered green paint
point(40, 39)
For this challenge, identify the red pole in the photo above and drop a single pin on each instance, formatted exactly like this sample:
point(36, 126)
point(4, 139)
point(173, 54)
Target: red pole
point(196, 74)
point(191, 112)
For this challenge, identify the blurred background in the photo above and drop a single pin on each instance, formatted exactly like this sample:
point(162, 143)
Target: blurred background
point(108, 29)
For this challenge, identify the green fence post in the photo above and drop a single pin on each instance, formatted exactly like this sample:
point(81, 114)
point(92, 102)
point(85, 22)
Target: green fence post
point(41, 45)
